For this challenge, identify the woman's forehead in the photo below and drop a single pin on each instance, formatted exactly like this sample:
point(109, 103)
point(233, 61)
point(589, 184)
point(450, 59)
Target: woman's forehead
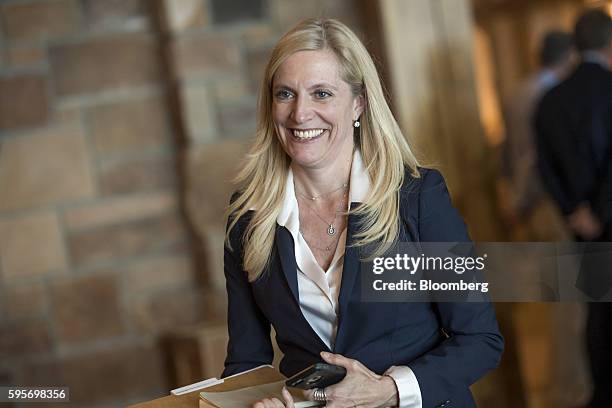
point(309, 68)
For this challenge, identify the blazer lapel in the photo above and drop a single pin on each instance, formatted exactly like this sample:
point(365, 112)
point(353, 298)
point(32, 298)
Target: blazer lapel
point(286, 253)
point(350, 270)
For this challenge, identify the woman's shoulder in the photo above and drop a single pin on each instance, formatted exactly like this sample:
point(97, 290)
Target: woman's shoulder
point(242, 222)
point(427, 203)
point(423, 194)
point(427, 179)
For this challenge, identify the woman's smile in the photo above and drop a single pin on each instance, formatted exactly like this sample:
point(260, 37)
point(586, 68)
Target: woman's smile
point(307, 135)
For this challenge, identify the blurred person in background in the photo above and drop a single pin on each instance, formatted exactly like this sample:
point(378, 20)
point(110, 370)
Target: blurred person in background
point(527, 208)
point(574, 133)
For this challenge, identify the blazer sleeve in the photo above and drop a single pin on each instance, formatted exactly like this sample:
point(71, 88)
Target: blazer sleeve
point(249, 343)
point(474, 344)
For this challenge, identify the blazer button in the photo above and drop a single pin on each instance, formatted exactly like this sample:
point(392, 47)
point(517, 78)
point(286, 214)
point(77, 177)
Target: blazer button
point(445, 403)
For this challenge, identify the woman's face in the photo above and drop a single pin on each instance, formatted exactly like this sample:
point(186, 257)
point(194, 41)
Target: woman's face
point(313, 109)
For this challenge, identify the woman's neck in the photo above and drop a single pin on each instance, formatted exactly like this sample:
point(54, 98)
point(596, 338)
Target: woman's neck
point(321, 180)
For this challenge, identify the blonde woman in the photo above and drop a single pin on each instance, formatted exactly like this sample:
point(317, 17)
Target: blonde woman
point(328, 173)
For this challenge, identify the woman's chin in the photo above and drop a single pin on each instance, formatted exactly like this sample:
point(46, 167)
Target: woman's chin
point(308, 153)
point(311, 158)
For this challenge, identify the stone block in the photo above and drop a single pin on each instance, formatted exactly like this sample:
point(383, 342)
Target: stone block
point(257, 59)
point(168, 310)
point(46, 167)
point(234, 11)
point(206, 55)
point(129, 125)
point(27, 56)
point(23, 339)
point(198, 113)
point(181, 15)
point(137, 175)
point(118, 210)
point(117, 14)
point(31, 245)
point(230, 90)
point(259, 35)
point(39, 20)
point(125, 240)
point(105, 63)
point(238, 119)
point(288, 13)
point(210, 169)
point(85, 308)
point(68, 115)
point(104, 377)
point(159, 272)
point(23, 101)
point(25, 300)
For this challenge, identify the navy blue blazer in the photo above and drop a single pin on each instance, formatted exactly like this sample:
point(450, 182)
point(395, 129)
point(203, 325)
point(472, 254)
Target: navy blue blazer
point(448, 346)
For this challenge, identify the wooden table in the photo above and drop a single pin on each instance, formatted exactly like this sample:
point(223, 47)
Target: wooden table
point(263, 375)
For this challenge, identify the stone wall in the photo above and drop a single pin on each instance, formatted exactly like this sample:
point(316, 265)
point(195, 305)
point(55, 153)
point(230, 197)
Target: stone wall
point(105, 105)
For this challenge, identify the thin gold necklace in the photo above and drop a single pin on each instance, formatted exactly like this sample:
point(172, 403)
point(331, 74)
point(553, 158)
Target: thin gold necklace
point(328, 248)
point(331, 230)
point(316, 197)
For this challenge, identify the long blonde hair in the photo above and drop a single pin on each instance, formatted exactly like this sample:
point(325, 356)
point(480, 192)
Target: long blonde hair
point(385, 151)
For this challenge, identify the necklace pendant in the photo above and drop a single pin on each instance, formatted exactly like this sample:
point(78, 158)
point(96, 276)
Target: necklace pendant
point(331, 230)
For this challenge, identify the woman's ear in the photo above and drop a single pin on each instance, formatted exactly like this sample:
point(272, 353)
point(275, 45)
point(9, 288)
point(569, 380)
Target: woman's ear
point(358, 106)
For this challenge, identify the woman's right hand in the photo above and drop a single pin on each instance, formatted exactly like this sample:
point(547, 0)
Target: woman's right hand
point(275, 402)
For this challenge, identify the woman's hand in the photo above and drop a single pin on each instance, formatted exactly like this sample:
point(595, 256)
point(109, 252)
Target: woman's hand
point(275, 402)
point(360, 388)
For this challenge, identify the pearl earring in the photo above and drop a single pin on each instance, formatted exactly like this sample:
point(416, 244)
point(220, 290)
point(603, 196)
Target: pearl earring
point(356, 124)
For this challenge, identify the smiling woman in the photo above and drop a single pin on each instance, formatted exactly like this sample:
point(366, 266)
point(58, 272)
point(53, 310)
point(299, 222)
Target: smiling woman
point(330, 172)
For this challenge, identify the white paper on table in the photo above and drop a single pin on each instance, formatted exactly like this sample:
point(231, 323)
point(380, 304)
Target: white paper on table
point(245, 397)
point(210, 382)
point(196, 386)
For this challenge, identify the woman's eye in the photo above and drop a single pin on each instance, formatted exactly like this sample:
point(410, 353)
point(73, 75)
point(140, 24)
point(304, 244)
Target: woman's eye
point(283, 94)
point(321, 94)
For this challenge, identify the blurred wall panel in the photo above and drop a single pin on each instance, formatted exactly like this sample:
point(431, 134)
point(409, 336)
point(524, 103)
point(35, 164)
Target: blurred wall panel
point(429, 49)
point(515, 28)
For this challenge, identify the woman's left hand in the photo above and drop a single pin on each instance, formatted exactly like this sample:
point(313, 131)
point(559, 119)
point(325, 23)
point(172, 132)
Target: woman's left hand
point(360, 388)
point(275, 402)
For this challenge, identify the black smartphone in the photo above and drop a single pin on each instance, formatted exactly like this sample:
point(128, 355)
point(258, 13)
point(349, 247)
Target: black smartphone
point(319, 375)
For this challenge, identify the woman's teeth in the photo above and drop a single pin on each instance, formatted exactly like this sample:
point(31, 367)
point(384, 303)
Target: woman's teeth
point(307, 134)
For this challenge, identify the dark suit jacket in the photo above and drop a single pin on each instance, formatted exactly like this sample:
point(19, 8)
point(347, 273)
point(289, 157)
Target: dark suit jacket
point(574, 138)
point(377, 334)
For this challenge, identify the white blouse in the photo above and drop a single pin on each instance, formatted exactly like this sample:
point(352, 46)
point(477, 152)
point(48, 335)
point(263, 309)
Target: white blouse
point(319, 289)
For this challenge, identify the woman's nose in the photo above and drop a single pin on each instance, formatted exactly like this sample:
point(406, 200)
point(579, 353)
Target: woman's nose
point(302, 110)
